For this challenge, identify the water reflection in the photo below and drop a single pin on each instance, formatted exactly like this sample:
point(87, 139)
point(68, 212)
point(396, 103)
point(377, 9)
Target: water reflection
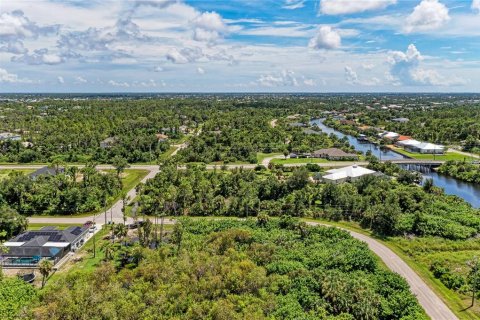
point(470, 192)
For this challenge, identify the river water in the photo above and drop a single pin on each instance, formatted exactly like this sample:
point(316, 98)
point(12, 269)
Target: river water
point(470, 192)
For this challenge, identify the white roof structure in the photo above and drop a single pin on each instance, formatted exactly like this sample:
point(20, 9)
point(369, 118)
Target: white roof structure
point(347, 172)
point(409, 142)
point(391, 135)
point(429, 146)
point(13, 244)
point(56, 244)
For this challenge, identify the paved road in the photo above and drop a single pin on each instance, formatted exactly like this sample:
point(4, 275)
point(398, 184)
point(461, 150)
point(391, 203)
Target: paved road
point(266, 161)
point(178, 148)
point(431, 303)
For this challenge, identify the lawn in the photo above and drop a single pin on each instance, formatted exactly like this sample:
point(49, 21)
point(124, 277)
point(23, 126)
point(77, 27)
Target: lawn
point(443, 157)
point(300, 160)
point(261, 156)
point(5, 172)
point(419, 253)
point(167, 154)
point(60, 226)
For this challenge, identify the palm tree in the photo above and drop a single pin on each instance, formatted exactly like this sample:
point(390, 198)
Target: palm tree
point(120, 230)
point(45, 266)
point(125, 199)
point(120, 164)
point(109, 250)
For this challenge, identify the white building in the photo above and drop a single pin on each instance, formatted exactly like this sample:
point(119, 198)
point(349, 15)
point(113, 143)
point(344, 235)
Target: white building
point(389, 135)
point(350, 173)
point(4, 136)
point(430, 148)
point(408, 143)
point(421, 147)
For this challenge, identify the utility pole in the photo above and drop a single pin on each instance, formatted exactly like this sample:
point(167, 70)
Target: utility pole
point(94, 244)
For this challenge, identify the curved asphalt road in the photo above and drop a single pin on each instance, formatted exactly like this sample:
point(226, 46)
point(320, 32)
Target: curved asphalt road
point(435, 308)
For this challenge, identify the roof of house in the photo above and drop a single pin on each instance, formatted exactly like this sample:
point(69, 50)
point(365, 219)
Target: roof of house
point(334, 152)
point(297, 124)
point(429, 146)
point(390, 135)
point(403, 138)
point(347, 172)
point(409, 142)
point(43, 242)
point(9, 135)
point(46, 171)
point(400, 119)
point(110, 140)
point(161, 136)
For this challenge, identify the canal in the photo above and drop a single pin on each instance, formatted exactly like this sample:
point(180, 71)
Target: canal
point(470, 192)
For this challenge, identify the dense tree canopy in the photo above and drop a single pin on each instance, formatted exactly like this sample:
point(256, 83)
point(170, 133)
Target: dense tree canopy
point(72, 191)
point(278, 269)
point(389, 207)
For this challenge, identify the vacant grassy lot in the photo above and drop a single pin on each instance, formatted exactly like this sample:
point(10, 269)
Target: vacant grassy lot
point(60, 226)
point(299, 160)
point(5, 172)
point(261, 156)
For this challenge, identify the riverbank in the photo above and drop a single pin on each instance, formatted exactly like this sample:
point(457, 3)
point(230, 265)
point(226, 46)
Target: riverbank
point(470, 192)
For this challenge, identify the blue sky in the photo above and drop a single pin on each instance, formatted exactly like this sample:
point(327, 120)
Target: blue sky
point(240, 46)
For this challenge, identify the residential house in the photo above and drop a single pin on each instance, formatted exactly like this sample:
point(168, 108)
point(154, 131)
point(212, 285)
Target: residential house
point(428, 148)
point(350, 173)
point(8, 136)
point(28, 248)
point(161, 137)
point(334, 154)
point(108, 142)
point(401, 120)
point(392, 136)
point(49, 171)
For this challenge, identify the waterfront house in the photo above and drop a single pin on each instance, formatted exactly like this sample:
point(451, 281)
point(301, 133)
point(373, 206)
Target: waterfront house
point(350, 173)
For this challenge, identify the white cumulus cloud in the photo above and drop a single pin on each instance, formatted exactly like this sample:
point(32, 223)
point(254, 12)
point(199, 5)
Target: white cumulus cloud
point(80, 80)
point(285, 78)
point(5, 76)
point(326, 38)
point(476, 6)
point(339, 7)
point(118, 84)
point(40, 56)
point(209, 27)
point(350, 75)
point(406, 68)
point(428, 15)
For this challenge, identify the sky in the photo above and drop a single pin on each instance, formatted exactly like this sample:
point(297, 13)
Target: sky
point(240, 46)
